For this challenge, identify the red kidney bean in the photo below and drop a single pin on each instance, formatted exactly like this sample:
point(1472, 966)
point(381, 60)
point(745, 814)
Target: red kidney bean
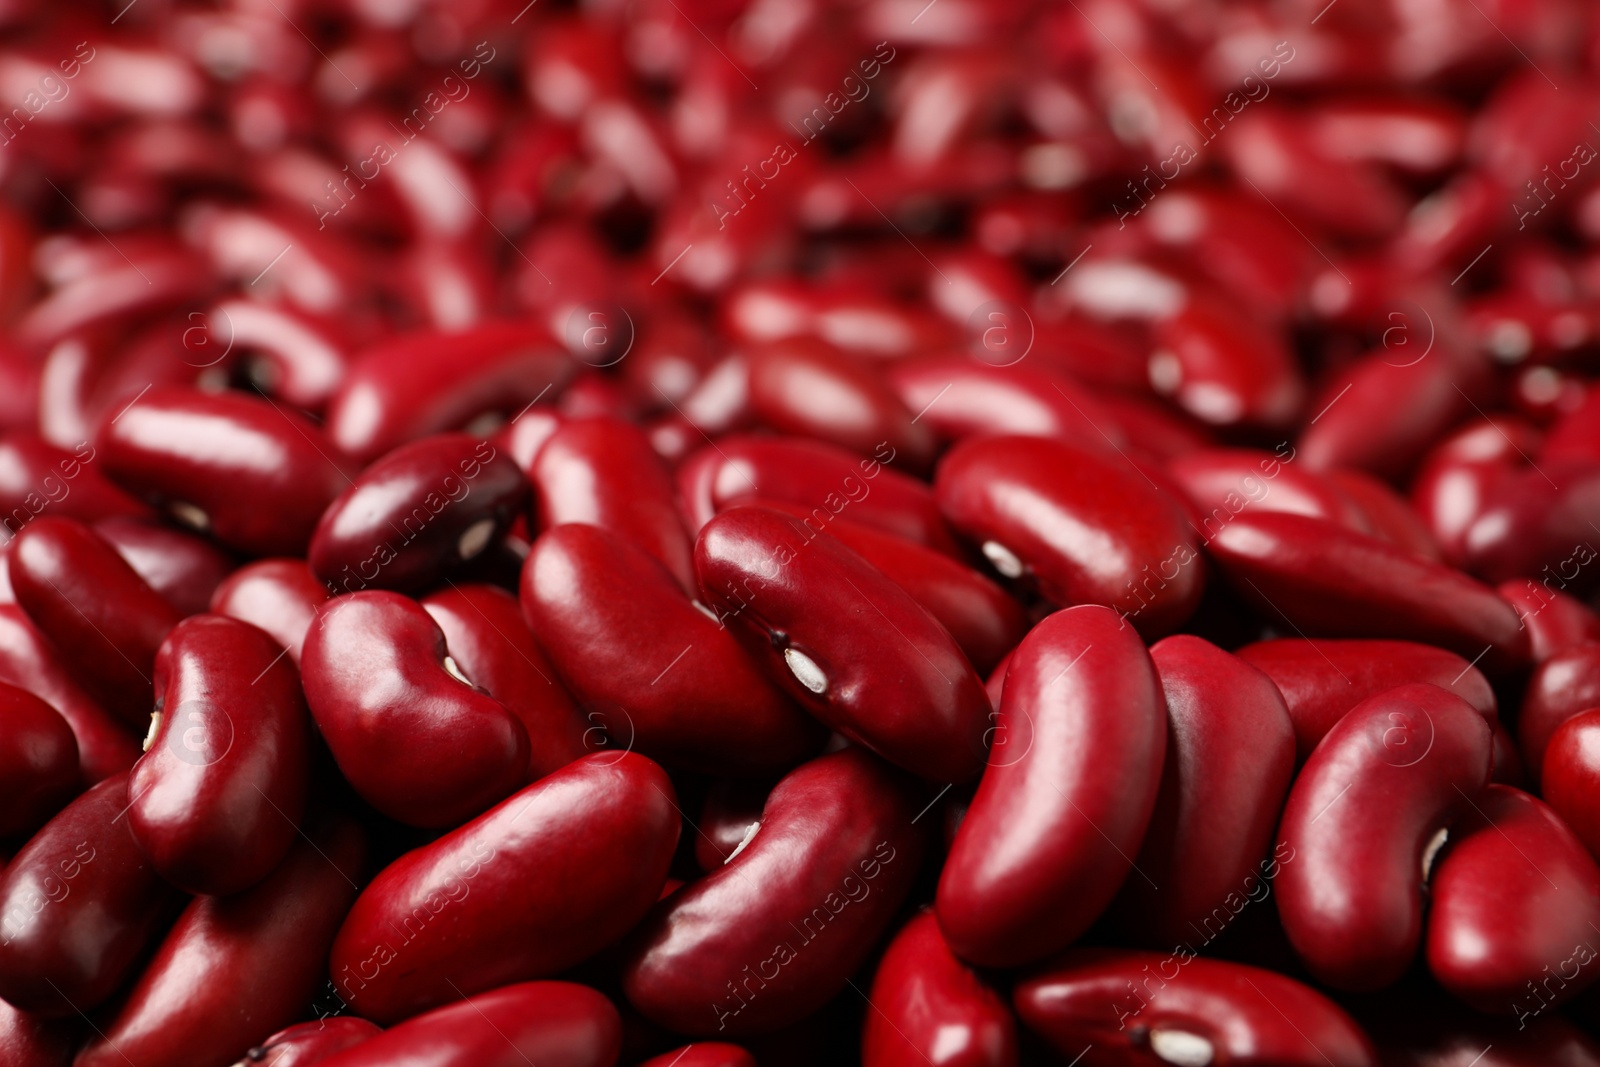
point(38, 762)
point(1221, 483)
point(810, 612)
point(703, 1054)
point(1571, 775)
point(1363, 819)
point(603, 471)
point(304, 1044)
point(28, 661)
point(1549, 1039)
point(487, 637)
point(425, 383)
point(808, 388)
point(80, 881)
point(280, 596)
point(927, 1007)
point(248, 472)
point(1083, 528)
point(551, 1024)
point(601, 609)
point(1458, 475)
point(265, 949)
point(94, 607)
point(27, 1040)
point(525, 435)
point(1145, 1008)
point(216, 800)
point(1514, 903)
point(1555, 621)
point(413, 516)
point(812, 474)
point(1558, 689)
point(36, 476)
point(732, 812)
point(417, 739)
point(1387, 513)
point(1230, 760)
point(770, 936)
point(1065, 799)
point(1324, 579)
point(533, 886)
point(295, 356)
point(1225, 368)
point(1153, 431)
point(1322, 680)
point(183, 568)
point(1538, 522)
point(985, 621)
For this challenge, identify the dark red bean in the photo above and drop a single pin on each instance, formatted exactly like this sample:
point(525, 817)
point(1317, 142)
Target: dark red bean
point(1571, 775)
point(1222, 482)
point(603, 472)
point(813, 614)
point(1514, 904)
point(1226, 368)
point(959, 397)
point(417, 514)
point(93, 607)
point(264, 949)
point(1115, 1007)
point(1322, 680)
point(1230, 760)
point(80, 881)
point(774, 933)
point(930, 1008)
point(1559, 688)
point(183, 568)
point(29, 1040)
point(37, 478)
point(703, 1054)
point(1363, 819)
point(251, 473)
point(550, 1024)
point(280, 596)
point(411, 734)
point(304, 1044)
point(488, 639)
point(1065, 799)
point(38, 762)
point(1083, 528)
point(731, 813)
point(531, 887)
point(654, 670)
point(216, 800)
point(1554, 620)
point(1387, 513)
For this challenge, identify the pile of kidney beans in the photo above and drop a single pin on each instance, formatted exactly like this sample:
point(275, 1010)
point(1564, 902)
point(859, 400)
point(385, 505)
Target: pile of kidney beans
point(706, 532)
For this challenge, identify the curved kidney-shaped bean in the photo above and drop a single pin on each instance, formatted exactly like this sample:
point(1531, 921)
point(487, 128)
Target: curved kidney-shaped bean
point(1461, 472)
point(929, 1008)
point(1065, 799)
point(812, 474)
point(1514, 907)
point(29, 1040)
point(486, 635)
point(1559, 688)
point(38, 761)
point(1387, 512)
point(417, 384)
point(808, 388)
point(1321, 680)
point(1230, 760)
point(1554, 620)
point(28, 661)
point(237, 965)
point(770, 936)
point(1539, 521)
point(703, 1054)
point(603, 471)
point(253, 475)
point(93, 607)
point(414, 737)
point(983, 618)
point(36, 476)
point(183, 568)
point(1085, 529)
point(293, 355)
point(416, 514)
point(280, 596)
point(550, 1024)
point(216, 801)
point(959, 397)
point(81, 881)
point(1143, 1008)
point(1362, 819)
point(531, 887)
point(731, 813)
point(1571, 777)
point(1325, 579)
point(1225, 367)
point(612, 620)
point(304, 1044)
point(854, 648)
point(1222, 482)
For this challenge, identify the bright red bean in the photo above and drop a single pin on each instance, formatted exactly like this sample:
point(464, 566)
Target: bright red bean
point(1558, 689)
point(1554, 620)
point(1363, 819)
point(37, 477)
point(280, 596)
point(410, 733)
point(1571, 775)
point(1065, 800)
point(38, 762)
